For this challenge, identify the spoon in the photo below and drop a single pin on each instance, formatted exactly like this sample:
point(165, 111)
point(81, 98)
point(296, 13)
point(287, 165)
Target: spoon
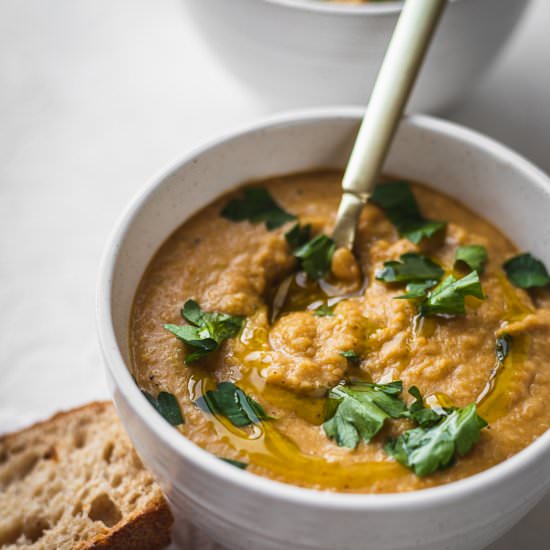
point(397, 75)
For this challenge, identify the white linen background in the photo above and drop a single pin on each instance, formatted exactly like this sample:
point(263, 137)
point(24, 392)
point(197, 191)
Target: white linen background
point(96, 96)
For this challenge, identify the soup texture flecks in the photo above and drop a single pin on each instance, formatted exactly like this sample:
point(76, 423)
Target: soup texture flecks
point(287, 355)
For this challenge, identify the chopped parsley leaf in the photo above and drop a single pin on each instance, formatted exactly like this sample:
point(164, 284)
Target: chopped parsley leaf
point(427, 449)
point(416, 290)
point(411, 268)
point(358, 411)
point(167, 406)
point(257, 206)
point(230, 401)
point(324, 310)
point(206, 331)
point(473, 255)
point(422, 415)
point(399, 204)
point(447, 298)
point(298, 235)
point(236, 463)
point(351, 356)
point(526, 271)
point(315, 256)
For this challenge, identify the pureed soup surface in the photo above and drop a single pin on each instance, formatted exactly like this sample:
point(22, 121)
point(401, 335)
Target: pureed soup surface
point(287, 357)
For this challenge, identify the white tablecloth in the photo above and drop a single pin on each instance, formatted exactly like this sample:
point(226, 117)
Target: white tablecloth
point(98, 95)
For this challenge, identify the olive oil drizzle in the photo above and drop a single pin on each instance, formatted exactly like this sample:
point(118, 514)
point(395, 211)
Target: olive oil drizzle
point(496, 399)
point(264, 447)
point(516, 309)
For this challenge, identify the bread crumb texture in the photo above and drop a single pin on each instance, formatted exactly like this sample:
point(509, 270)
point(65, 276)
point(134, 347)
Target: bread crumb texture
point(75, 481)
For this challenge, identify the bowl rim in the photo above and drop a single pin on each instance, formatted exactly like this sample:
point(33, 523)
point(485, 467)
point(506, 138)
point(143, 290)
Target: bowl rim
point(241, 479)
point(332, 8)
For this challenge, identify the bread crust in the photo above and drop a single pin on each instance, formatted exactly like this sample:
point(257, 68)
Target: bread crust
point(147, 528)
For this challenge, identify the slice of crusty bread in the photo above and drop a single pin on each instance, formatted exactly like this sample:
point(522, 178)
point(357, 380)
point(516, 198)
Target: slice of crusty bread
point(75, 482)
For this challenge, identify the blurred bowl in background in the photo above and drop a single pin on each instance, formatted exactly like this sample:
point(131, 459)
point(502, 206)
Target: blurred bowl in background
point(313, 52)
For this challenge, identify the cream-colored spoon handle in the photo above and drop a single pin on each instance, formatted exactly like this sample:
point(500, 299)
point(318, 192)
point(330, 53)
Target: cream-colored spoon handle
point(402, 62)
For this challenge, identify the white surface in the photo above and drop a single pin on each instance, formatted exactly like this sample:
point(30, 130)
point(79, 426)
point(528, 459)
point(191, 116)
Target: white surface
point(95, 97)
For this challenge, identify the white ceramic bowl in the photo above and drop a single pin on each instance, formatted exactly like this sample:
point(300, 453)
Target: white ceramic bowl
point(311, 52)
point(244, 511)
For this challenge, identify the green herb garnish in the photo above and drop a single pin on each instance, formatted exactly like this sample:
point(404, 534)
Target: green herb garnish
point(257, 206)
point(416, 290)
point(411, 268)
point(230, 401)
point(422, 415)
point(167, 405)
point(502, 349)
point(206, 331)
point(425, 450)
point(351, 356)
point(358, 411)
point(399, 204)
point(526, 271)
point(447, 298)
point(315, 256)
point(236, 463)
point(473, 255)
point(324, 310)
point(298, 235)
point(420, 272)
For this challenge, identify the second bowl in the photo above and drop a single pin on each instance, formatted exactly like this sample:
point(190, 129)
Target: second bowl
point(313, 52)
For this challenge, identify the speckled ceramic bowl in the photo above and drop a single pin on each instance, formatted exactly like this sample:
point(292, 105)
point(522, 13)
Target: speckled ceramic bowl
point(245, 511)
point(313, 52)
